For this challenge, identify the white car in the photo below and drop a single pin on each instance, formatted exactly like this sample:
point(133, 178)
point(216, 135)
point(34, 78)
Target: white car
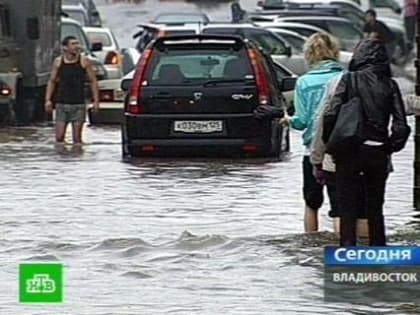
point(111, 95)
point(130, 57)
point(110, 54)
point(94, 18)
point(76, 12)
point(111, 103)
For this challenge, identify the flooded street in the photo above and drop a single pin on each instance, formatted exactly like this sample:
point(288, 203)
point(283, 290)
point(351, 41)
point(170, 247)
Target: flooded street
point(171, 236)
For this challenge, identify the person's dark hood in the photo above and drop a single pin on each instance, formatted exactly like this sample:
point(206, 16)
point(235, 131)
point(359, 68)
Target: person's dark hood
point(371, 54)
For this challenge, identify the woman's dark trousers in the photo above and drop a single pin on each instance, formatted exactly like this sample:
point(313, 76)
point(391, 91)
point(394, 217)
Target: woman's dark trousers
point(361, 179)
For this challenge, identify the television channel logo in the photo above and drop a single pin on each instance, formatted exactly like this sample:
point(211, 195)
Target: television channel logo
point(40, 283)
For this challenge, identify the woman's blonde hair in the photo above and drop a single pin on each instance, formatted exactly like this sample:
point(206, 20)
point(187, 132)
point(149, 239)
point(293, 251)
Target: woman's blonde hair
point(319, 47)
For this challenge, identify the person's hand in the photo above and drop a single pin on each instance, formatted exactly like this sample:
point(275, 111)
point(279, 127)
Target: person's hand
point(95, 106)
point(48, 106)
point(320, 175)
point(285, 120)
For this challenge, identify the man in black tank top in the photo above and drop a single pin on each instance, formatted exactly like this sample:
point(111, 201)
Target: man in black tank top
point(67, 84)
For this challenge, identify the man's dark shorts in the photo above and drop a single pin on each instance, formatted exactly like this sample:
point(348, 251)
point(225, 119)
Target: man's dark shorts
point(70, 113)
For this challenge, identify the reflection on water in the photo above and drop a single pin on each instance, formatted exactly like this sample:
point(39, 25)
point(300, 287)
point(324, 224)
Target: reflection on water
point(68, 149)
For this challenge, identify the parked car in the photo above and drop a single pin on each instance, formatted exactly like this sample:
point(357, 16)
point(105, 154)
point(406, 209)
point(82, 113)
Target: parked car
point(93, 16)
point(354, 10)
point(110, 54)
point(341, 28)
point(129, 60)
point(111, 98)
point(297, 42)
point(279, 49)
point(384, 8)
point(195, 95)
point(76, 12)
point(303, 29)
point(180, 18)
point(271, 4)
point(312, 9)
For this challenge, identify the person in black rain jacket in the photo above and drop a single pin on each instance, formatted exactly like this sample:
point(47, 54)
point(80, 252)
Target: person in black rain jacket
point(361, 174)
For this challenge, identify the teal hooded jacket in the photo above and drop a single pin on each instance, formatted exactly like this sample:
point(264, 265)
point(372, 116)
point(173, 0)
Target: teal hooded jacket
point(309, 93)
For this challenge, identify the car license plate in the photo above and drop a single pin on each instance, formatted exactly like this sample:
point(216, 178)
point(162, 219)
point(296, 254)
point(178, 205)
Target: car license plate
point(198, 126)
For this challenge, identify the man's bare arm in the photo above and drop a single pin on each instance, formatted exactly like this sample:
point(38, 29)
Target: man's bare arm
point(51, 85)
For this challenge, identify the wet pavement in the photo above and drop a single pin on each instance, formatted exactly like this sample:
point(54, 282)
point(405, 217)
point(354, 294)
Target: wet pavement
point(171, 236)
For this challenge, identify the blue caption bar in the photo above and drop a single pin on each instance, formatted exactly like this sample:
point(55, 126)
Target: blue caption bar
point(389, 256)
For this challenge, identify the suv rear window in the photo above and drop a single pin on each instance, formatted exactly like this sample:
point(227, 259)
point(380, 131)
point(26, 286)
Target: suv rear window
point(197, 66)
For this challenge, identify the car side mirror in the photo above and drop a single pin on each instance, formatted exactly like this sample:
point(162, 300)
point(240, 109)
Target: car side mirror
point(288, 84)
point(260, 3)
point(95, 13)
point(126, 84)
point(288, 51)
point(398, 10)
point(96, 47)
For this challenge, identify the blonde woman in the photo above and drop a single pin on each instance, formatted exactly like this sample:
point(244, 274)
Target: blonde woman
point(321, 53)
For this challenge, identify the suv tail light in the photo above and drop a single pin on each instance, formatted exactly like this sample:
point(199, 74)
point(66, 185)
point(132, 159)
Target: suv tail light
point(260, 78)
point(134, 101)
point(113, 58)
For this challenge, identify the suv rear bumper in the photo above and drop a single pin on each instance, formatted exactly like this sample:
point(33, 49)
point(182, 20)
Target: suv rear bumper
point(189, 142)
point(144, 135)
point(251, 137)
point(199, 147)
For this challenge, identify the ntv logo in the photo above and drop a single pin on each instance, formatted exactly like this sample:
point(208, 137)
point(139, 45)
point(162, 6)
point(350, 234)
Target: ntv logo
point(40, 283)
